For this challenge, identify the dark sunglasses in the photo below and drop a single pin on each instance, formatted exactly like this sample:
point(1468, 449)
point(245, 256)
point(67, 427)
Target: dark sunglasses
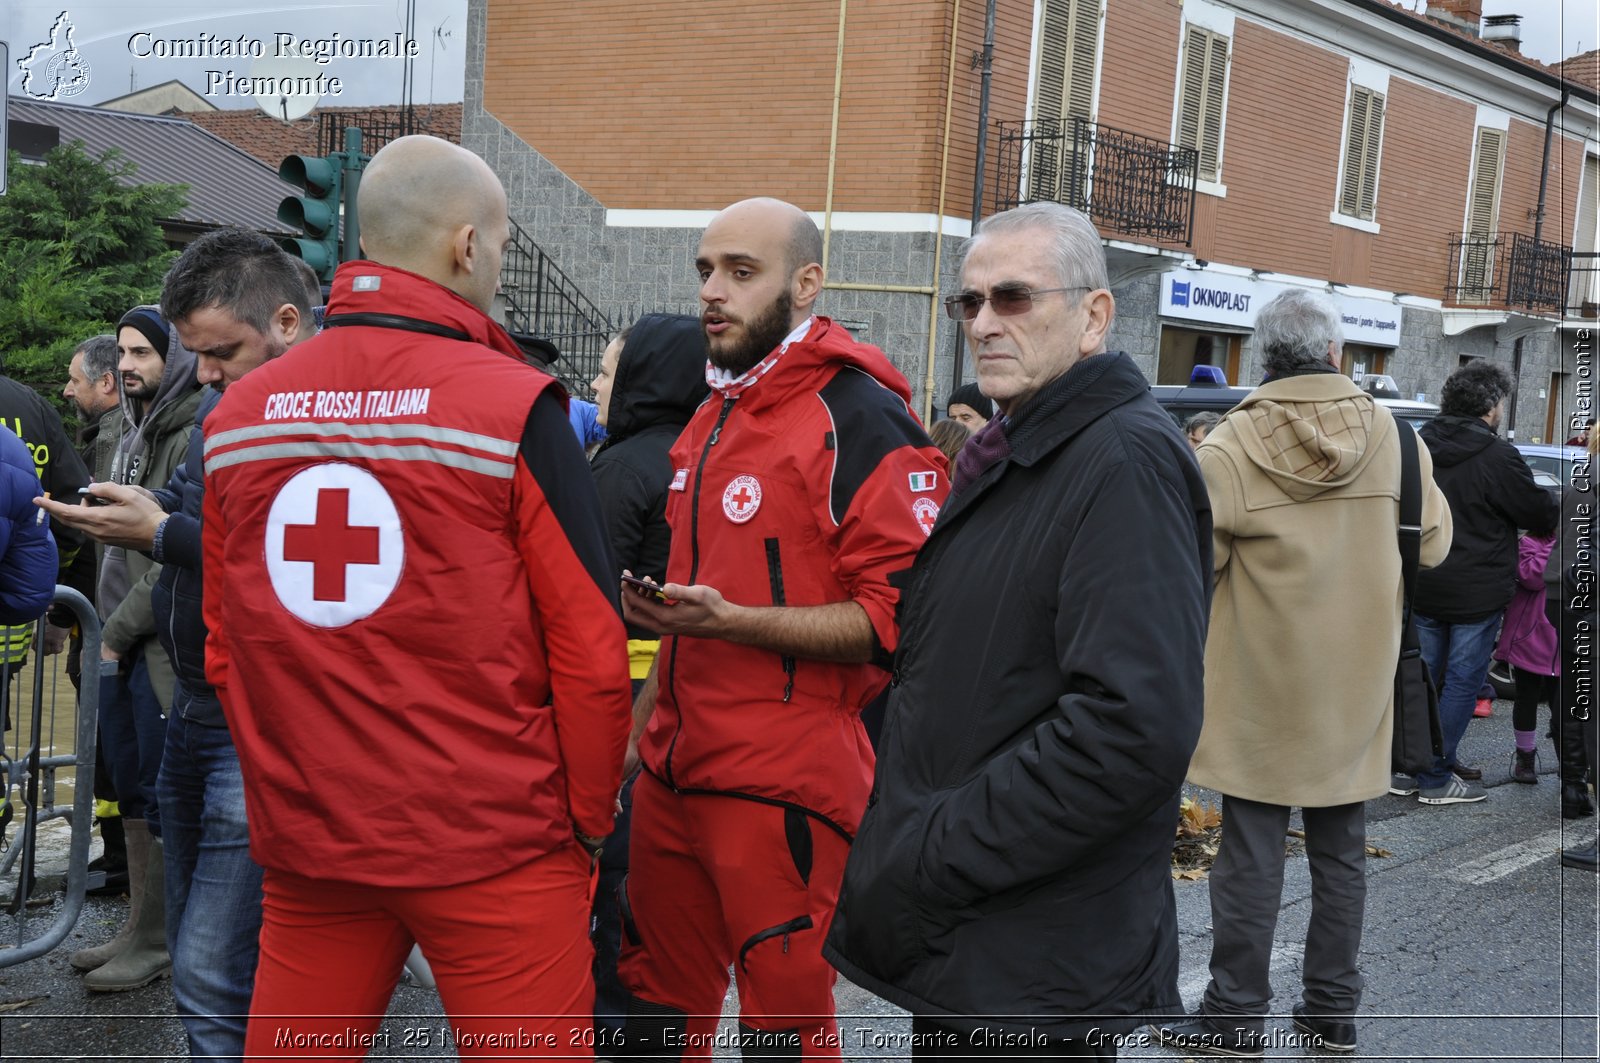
point(1008, 300)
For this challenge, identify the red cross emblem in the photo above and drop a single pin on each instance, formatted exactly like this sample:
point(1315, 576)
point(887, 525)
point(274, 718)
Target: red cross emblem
point(332, 545)
point(926, 513)
point(741, 499)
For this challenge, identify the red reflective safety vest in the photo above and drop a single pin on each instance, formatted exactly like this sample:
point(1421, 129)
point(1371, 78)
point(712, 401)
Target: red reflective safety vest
point(815, 485)
point(425, 682)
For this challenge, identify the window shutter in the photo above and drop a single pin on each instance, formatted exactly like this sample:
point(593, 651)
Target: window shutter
point(1360, 174)
point(1066, 60)
point(1216, 83)
point(1205, 77)
point(1044, 169)
point(1369, 157)
point(1193, 92)
point(1067, 37)
point(1085, 17)
point(1484, 201)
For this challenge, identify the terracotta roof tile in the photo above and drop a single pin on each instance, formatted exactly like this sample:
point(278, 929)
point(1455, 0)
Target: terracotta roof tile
point(1583, 69)
point(270, 139)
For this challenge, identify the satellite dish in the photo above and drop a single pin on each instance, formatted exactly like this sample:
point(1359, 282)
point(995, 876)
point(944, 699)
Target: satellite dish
point(286, 84)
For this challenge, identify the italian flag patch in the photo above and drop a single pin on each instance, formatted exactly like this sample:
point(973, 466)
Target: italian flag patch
point(924, 481)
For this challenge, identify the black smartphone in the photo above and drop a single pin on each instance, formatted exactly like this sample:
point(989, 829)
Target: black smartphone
point(645, 585)
point(85, 495)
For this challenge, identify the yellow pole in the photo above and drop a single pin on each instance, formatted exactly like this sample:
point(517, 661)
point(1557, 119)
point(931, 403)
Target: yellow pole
point(938, 219)
point(833, 140)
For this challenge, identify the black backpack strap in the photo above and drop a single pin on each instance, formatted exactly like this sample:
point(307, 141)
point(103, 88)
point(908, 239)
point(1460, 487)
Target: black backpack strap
point(1410, 510)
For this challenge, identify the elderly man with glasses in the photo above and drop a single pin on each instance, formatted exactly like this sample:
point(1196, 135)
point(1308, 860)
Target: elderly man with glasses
point(1010, 882)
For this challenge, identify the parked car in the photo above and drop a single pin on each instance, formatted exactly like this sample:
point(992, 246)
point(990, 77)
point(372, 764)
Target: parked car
point(1551, 463)
point(1205, 391)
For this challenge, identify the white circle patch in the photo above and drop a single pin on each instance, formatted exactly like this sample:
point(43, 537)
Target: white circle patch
point(926, 512)
point(334, 546)
point(741, 498)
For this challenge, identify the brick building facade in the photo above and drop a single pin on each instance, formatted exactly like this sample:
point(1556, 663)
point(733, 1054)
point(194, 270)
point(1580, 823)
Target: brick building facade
point(1224, 147)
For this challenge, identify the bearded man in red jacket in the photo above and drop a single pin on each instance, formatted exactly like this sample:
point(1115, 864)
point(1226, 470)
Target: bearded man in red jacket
point(802, 490)
point(416, 639)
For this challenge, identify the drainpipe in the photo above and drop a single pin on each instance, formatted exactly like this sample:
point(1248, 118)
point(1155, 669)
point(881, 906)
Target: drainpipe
point(977, 177)
point(833, 139)
point(1544, 166)
point(1538, 233)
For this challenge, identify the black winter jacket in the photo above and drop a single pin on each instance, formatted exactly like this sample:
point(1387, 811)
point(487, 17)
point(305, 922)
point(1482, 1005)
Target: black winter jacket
point(1492, 493)
point(1014, 865)
point(660, 381)
point(175, 599)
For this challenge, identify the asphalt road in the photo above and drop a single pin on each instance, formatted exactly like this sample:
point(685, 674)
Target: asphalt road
point(1478, 946)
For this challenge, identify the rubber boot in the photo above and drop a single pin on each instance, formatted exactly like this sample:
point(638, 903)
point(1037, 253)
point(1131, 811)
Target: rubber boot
point(113, 860)
point(144, 958)
point(1575, 800)
point(136, 837)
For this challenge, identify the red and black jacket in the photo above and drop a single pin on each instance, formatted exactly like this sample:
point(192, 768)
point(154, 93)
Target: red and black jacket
point(412, 608)
point(815, 485)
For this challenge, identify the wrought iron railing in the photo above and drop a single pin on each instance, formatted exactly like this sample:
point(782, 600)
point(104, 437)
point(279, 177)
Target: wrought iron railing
point(543, 301)
point(1508, 270)
point(1583, 291)
point(1127, 184)
point(379, 126)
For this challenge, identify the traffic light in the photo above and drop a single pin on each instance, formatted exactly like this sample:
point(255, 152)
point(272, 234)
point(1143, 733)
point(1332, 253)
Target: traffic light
point(317, 212)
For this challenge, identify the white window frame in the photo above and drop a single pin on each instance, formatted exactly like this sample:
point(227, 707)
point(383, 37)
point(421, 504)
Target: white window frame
point(1218, 20)
point(1374, 78)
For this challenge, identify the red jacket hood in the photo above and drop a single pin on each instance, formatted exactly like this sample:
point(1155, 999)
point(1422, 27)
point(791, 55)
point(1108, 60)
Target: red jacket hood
point(425, 300)
point(826, 348)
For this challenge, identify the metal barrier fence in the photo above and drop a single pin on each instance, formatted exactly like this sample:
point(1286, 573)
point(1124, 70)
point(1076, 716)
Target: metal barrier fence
point(44, 712)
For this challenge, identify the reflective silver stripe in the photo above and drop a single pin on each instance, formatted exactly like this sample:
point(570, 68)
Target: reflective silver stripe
point(503, 470)
point(434, 433)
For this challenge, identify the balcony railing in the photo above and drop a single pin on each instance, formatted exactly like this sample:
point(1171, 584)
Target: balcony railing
point(1583, 291)
point(379, 126)
point(1508, 270)
point(543, 301)
point(1127, 184)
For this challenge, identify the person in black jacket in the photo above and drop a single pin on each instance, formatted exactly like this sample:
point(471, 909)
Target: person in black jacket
point(236, 301)
point(1459, 603)
point(61, 473)
point(651, 380)
point(1011, 880)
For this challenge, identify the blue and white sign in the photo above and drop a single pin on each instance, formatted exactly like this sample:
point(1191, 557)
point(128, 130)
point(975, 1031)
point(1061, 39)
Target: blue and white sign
point(1215, 298)
point(1225, 299)
point(1371, 321)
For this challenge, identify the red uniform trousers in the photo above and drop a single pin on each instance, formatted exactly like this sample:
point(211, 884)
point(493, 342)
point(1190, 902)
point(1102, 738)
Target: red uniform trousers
point(717, 881)
point(511, 955)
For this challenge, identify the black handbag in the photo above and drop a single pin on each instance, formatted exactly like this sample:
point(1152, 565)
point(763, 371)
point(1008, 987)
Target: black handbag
point(1418, 738)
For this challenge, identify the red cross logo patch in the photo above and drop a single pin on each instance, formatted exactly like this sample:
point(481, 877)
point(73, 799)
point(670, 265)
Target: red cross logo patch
point(334, 547)
point(741, 498)
point(926, 513)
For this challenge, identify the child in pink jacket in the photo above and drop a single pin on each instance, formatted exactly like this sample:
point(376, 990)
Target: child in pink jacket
point(1528, 642)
